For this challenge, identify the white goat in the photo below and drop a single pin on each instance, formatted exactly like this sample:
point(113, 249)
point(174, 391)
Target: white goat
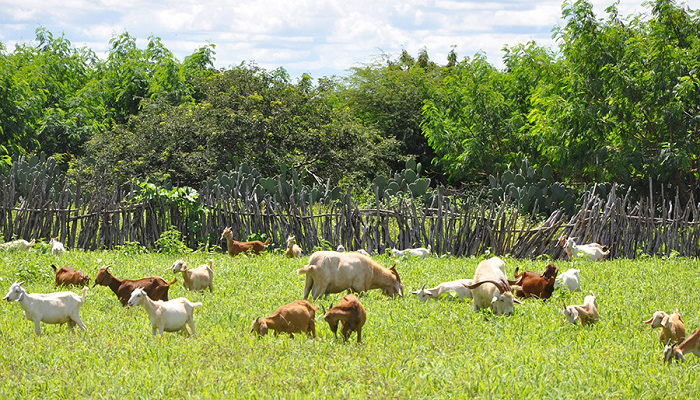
point(491, 287)
point(166, 316)
point(458, 286)
point(49, 308)
point(57, 247)
point(19, 244)
point(363, 252)
point(420, 252)
point(570, 279)
point(586, 313)
point(340, 248)
point(593, 251)
point(199, 278)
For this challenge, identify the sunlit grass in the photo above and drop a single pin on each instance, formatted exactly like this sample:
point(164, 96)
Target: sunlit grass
point(436, 349)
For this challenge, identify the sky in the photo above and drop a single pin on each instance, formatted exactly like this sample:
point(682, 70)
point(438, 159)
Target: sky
point(321, 37)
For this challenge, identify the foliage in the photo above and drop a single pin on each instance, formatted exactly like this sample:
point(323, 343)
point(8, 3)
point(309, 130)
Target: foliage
point(170, 242)
point(410, 349)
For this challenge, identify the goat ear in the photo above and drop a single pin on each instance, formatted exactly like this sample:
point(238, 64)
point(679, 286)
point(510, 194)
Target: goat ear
point(665, 321)
point(649, 321)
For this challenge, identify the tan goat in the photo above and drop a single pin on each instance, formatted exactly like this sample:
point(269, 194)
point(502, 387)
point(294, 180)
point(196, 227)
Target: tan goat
point(352, 315)
point(297, 316)
point(672, 327)
point(196, 279)
point(677, 352)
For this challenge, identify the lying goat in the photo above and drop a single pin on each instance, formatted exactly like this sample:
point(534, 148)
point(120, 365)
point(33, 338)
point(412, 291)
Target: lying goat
point(586, 313)
point(19, 244)
point(491, 288)
point(235, 247)
point(570, 279)
point(420, 252)
point(350, 313)
point(57, 247)
point(293, 249)
point(49, 308)
point(297, 316)
point(531, 284)
point(166, 316)
point(672, 327)
point(593, 251)
point(68, 276)
point(458, 286)
point(677, 352)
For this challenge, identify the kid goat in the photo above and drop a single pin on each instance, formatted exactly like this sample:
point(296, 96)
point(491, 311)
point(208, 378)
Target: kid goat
point(586, 313)
point(672, 327)
point(297, 316)
point(166, 316)
point(677, 352)
point(196, 279)
point(350, 313)
point(49, 308)
point(156, 287)
point(293, 249)
point(593, 251)
point(68, 276)
point(235, 247)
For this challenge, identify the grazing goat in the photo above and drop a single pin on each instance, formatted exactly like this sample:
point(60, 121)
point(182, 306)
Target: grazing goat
point(491, 288)
point(586, 313)
point(420, 252)
point(570, 279)
point(677, 352)
point(19, 244)
point(196, 279)
point(156, 287)
point(459, 286)
point(340, 248)
point(297, 316)
point(333, 272)
point(49, 308)
point(532, 284)
point(57, 247)
point(593, 251)
point(672, 327)
point(68, 276)
point(293, 249)
point(235, 247)
point(350, 313)
point(166, 316)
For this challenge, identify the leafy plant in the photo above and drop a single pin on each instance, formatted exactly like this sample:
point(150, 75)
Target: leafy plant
point(170, 242)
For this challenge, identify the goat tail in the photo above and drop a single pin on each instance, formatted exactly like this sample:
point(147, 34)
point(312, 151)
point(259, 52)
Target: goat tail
point(195, 305)
point(266, 242)
point(211, 264)
point(174, 280)
point(82, 297)
point(305, 270)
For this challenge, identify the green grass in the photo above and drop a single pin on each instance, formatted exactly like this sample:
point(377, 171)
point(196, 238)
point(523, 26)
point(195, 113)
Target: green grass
point(438, 349)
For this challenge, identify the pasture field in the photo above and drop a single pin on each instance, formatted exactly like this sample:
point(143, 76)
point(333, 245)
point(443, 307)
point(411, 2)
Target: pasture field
point(438, 349)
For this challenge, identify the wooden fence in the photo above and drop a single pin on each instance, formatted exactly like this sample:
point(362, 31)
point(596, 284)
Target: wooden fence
point(458, 225)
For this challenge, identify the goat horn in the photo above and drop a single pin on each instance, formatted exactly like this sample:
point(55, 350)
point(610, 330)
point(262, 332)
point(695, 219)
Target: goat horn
point(323, 309)
point(422, 288)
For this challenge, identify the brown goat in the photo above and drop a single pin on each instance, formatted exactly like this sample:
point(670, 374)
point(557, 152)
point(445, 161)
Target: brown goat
point(68, 276)
point(297, 316)
point(235, 247)
point(532, 284)
point(156, 287)
point(351, 313)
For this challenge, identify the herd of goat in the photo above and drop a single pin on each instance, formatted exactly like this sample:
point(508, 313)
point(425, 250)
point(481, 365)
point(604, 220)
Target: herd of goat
point(329, 272)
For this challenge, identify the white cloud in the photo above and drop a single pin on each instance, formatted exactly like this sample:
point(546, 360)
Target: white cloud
point(318, 36)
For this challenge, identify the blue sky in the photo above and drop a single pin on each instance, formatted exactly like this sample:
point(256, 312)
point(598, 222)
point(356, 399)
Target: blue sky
point(323, 37)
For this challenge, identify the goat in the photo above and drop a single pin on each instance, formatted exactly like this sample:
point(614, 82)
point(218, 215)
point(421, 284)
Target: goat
point(352, 315)
point(235, 247)
point(57, 247)
point(293, 249)
point(340, 248)
point(459, 286)
point(677, 352)
point(492, 288)
point(166, 316)
point(49, 308)
point(333, 272)
point(363, 252)
point(199, 278)
point(593, 251)
point(533, 284)
point(297, 316)
point(68, 276)
point(672, 327)
point(570, 279)
point(19, 244)
point(586, 313)
point(420, 252)
point(156, 287)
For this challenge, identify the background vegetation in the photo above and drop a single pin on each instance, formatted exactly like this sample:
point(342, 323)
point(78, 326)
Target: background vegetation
point(618, 100)
point(410, 349)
